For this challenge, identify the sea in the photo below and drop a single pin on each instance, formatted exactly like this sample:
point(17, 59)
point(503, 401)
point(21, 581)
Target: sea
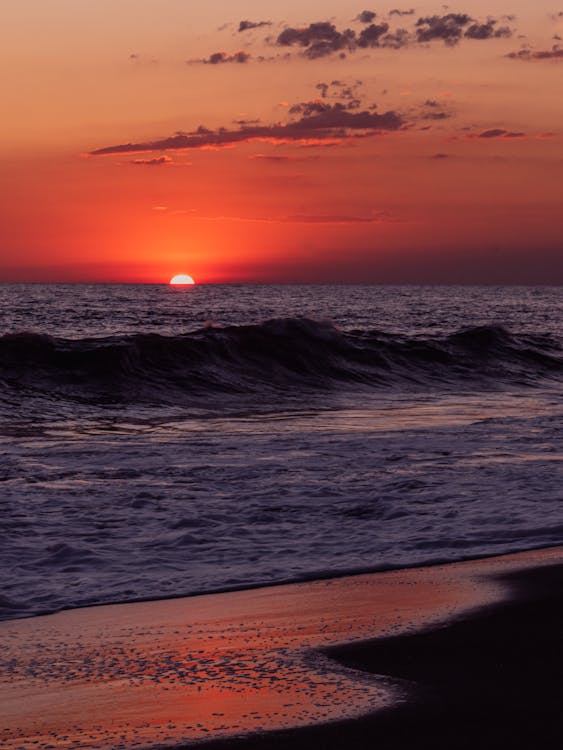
point(160, 441)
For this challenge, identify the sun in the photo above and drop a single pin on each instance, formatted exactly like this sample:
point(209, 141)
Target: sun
point(181, 280)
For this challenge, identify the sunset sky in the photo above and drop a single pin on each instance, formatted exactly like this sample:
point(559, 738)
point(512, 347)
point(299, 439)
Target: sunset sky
point(304, 141)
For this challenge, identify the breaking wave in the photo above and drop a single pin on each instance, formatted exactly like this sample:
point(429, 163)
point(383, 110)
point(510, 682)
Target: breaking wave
point(270, 358)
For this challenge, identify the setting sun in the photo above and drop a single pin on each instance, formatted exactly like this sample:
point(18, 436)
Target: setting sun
point(181, 280)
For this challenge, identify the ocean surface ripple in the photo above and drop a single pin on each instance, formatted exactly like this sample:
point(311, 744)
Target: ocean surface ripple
point(147, 452)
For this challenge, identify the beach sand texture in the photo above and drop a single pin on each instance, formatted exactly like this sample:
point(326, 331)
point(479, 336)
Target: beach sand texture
point(162, 673)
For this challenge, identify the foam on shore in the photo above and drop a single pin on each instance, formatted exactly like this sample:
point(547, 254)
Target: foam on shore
point(170, 672)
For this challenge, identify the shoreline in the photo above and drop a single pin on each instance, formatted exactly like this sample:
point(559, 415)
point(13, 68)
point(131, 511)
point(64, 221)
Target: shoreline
point(489, 679)
point(315, 576)
point(268, 666)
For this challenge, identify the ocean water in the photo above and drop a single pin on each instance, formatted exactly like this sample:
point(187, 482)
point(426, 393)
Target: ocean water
point(159, 442)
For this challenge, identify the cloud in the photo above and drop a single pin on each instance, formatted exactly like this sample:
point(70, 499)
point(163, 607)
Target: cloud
point(528, 55)
point(323, 38)
point(448, 28)
point(499, 133)
point(218, 58)
point(440, 156)
point(247, 25)
point(317, 107)
point(435, 115)
point(319, 39)
point(158, 161)
point(396, 39)
point(338, 116)
point(487, 30)
point(502, 134)
point(316, 125)
point(366, 16)
point(342, 91)
point(371, 35)
point(432, 109)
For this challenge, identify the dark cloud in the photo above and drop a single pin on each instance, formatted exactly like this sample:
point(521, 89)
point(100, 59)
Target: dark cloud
point(440, 156)
point(246, 122)
point(247, 25)
point(435, 115)
point(396, 39)
point(319, 39)
point(317, 107)
point(324, 38)
point(488, 30)
point(309, 108)
point(217, 58)
point(371, 35)
point(344, 92)
point(158, 161)
point(528, 55)
point(432, 110)
point(499, 133)
point(448, 28)
point(315, 124)
point(480, 30)
point(366, 16)
point(338, 117)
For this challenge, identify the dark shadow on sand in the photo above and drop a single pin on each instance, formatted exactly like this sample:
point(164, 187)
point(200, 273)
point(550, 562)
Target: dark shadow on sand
point(491, 680)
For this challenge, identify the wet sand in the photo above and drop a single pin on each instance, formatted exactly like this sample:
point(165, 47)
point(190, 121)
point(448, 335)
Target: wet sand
point(459, 655)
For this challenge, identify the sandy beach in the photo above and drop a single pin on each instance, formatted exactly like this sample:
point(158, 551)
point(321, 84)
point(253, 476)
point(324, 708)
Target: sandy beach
point(431, 653)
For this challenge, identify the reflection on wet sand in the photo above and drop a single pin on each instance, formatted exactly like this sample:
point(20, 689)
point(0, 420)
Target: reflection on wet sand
point(157, 673)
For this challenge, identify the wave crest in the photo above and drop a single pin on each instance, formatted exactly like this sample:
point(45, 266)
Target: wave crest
point(268, 358)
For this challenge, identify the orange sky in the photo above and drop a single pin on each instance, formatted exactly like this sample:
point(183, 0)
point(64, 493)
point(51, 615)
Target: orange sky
point(332, 149)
